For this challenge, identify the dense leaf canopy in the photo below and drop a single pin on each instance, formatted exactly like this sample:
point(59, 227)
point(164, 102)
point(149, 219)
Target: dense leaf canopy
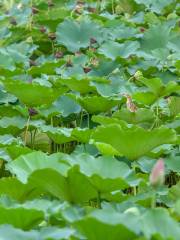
point(89, 102)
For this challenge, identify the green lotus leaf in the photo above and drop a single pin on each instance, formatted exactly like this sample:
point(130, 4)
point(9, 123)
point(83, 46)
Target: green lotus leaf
point(16, 124)
point(174, 106)
point(50, 181)
point(146, 98)
point(7, 139)
point(174, 192)
point(156, 86)
point(15, 151)
point(104, 68)
point(140, 116)
point(8, 111)
point(57, 134)
point(13, 125)
point(66, 105)
point(155, 6)
point(108, 120)
point(33, 94)
point(6, 61)
point(80, 85)
point(4, 33)
point(24, 165)
point(82, 134)
point(127, 6)
point(74, 36)
point(74, 160)
point(46, 68)
point(173, 163)
point(157, 36)
point(158, 222)
point(108, 225)
point(118, 30)
point(52, 17)
point(69, 188)
point(14, 54)
point(21, 217)
point(9, 232)
point(106, 174)
point(135, 141)
point(56, 233)
point(6, 98)
point(124, 50)
point(97, 104)
point(64, 135)
point(17, 190)
point(106, 149)
point(177, 208)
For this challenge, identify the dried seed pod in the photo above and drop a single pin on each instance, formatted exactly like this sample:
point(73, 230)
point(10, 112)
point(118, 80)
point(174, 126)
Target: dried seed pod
point(13, 21)
point(35, 10)
point(58, 54)
point(78, 53)
point(69, 64)
point(87, 69)
point(142, 29)
point(91, 9)
point(42, 29)
point(50, 3)
point(80, 2)
point(52, 36)
point(93, 41)
point(94, 62)
point(32, 63)
point(79, 8)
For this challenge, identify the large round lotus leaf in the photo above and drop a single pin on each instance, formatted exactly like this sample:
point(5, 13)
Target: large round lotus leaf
point(21, 217)
point(140, 116)
point(17, 190)
point(158, 222)
point(74, 34)
point(97, 104)
point(174, 192)
point(55, 233)
point(24, 165)
point(124, 50)
point(7, 140)
point(105, 224)
point(33, 94)
point(69, 188)
point(155, 6)
point(10, 232)
point(157, 36)
point(135, 141)
point(105, 173)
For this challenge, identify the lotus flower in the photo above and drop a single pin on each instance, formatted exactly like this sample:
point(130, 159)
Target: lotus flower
point(157, 175)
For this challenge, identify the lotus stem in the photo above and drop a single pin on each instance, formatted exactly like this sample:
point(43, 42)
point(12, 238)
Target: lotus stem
point(26, 131)
point(99, 200)
point(113, 10)
point(153, 200)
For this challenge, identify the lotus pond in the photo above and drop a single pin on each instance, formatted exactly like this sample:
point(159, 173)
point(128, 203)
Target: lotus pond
point(89, 120)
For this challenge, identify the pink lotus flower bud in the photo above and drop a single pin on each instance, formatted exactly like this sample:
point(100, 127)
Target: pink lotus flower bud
point(157, 175)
